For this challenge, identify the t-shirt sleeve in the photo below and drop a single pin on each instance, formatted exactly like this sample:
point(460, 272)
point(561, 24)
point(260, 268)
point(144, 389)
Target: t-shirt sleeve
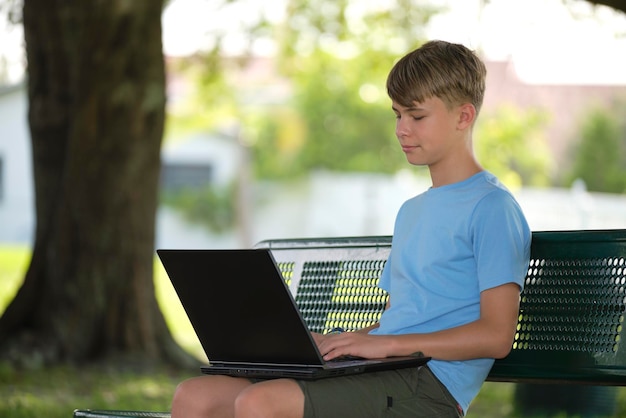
point(501, 239)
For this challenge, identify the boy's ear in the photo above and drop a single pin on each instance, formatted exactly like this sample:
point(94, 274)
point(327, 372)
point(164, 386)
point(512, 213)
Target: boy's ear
point(467, 115)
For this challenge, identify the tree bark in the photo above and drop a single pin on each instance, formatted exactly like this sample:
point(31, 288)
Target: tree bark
point(96, 89)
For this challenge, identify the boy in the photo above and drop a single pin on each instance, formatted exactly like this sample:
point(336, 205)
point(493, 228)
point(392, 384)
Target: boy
point(459, 255)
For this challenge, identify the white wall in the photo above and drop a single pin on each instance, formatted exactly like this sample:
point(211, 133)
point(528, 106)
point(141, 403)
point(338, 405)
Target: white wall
point(343, 204)
point(17, 200)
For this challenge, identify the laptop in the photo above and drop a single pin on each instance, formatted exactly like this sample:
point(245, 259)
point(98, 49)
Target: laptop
point(247, 320)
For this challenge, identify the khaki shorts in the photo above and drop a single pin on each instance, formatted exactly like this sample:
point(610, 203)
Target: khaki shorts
point(411, 392)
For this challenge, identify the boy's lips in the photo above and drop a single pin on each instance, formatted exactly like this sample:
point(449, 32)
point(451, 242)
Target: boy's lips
point(408, 148)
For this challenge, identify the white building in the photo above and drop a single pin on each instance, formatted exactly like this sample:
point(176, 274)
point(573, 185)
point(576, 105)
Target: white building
point(17, 216)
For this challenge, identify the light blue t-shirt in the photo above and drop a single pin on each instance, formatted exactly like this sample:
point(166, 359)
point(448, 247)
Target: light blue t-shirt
point(449, 244)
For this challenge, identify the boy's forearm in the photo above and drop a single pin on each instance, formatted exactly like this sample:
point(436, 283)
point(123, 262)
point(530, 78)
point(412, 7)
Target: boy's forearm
point(490, 336)
point(470, 341)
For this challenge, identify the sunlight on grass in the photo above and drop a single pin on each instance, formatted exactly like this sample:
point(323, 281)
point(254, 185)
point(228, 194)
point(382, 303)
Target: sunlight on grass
point(13, 264)
point(174, 313)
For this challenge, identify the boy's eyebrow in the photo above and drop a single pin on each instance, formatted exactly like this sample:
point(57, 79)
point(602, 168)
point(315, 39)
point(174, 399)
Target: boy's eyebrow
point(408, 109)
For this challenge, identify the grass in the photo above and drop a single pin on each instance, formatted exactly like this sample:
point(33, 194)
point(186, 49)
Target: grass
point(13, 264)
point(55, 392)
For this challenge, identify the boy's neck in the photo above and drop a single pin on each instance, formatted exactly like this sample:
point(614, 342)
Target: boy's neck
point(454, 172)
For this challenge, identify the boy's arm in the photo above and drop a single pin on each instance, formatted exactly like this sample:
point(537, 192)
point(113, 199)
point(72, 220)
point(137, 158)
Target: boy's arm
point(491, 336)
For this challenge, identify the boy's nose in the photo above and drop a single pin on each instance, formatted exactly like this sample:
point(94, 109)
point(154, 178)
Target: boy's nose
point(401, 130)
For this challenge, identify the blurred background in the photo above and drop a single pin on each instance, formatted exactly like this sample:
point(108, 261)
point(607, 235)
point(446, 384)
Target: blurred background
point(288, 132)
point(276, 124)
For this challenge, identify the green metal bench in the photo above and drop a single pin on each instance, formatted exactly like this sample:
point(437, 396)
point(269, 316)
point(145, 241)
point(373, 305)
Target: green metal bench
point(571, 321)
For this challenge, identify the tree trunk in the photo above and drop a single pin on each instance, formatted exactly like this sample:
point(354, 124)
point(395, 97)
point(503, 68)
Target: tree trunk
point(96, 88)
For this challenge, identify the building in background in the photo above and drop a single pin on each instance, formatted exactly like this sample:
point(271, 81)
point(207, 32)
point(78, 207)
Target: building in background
point(17, 219)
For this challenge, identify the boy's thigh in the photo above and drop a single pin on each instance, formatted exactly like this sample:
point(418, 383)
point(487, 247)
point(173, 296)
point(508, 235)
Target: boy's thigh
point(412, 392)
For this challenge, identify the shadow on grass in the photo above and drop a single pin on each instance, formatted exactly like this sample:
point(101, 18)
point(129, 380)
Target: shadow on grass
point(55, 392)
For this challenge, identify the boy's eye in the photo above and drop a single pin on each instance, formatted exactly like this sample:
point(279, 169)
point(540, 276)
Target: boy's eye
point(414, 117)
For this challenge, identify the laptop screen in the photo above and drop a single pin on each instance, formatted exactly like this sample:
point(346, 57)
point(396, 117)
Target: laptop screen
point(240, 306)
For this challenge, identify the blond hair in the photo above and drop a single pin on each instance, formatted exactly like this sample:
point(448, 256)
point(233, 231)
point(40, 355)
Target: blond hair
point(448, 71)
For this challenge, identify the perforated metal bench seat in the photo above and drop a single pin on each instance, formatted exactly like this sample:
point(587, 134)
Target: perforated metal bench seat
point(570, 327)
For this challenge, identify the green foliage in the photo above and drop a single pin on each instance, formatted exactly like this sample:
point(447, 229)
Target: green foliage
point(334, 56)
point(211, 207)
point(337, 55)
point(599, 156)
point(510, 144)
point(341, 120)
point(350, 125)
point(210, 101)
point(351, 25)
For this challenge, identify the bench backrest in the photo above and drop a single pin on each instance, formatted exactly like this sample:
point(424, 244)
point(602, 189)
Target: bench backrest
point(572, 309)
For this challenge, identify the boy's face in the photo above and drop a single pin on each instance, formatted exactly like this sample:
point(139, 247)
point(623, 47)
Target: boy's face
point(428, 132)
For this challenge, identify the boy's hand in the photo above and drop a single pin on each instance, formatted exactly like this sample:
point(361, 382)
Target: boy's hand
point(352, 344)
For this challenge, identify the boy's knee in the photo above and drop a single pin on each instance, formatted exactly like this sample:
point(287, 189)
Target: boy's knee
point(247, 400)
point(182, 392)
point(280, 398)
point(188, 395)
point(253, 399)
